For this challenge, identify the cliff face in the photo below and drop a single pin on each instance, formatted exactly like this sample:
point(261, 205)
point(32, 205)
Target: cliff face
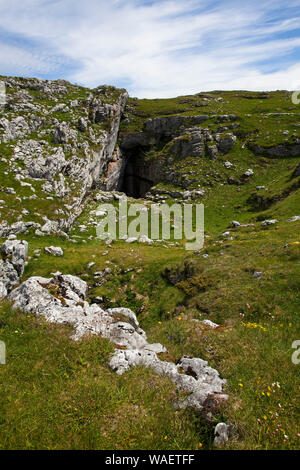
point(57, 141)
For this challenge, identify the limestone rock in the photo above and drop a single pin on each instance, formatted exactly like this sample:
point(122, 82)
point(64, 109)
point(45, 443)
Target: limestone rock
point(257, 274)
point(54, 250)
point(63, 134)
point(3, 290)
point(269, 222)
point(226, 142)
point(15, 251)
point(61, 299)
point(222, 433)
point(248, 173)
point(12, 265)
point(210, 324)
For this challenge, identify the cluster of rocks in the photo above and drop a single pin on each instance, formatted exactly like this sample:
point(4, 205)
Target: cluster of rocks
point(198, 142)
point(184, 140)
point(62, 299)
point(156, 194)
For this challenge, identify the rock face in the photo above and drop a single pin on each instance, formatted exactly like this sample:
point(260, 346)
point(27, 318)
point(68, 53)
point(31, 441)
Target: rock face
point(71, 147)
point(179, 141)
point(61, 299)
point(12, 264)
point(280, 150)
point(187, 140)
point(168, 126)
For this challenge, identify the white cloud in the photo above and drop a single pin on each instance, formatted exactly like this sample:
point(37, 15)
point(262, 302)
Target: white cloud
point(164, 49)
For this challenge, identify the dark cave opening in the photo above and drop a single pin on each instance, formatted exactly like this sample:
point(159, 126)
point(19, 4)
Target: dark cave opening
point(136, 179)
point(135, 186)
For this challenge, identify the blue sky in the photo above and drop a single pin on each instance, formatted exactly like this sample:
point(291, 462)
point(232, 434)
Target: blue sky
point(157, 48)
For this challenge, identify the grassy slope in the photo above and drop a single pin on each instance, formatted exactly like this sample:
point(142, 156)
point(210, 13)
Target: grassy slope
point(61, 394)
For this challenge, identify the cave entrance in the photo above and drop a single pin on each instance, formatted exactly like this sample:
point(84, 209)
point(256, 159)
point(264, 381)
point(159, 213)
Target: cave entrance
point(135, 186)
point(137, 177)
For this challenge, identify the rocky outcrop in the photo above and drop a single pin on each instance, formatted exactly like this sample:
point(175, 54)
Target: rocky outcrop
point(12, 264)
point(138, 139)
point(190, 144)
point(61, 299)
point(278, 151)
point(197, 142)
point(115, 171)
point(160, 128)
point(192, 375)
point(167, 126)
point(71, 147)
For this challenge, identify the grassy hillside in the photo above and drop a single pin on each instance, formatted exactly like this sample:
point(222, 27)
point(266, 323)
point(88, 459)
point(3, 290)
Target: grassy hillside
point(57, 393)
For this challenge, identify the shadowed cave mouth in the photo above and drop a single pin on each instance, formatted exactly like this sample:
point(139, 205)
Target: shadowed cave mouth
point(136, 180)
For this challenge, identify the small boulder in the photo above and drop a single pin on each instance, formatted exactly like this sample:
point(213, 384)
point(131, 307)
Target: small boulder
point(257, 274)
point(222, 433)
point(234, 223)
point(294, 219)
point(269, 222)
point(249, 173)
point(54, 250)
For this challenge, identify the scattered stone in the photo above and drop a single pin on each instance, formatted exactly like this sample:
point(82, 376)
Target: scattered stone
point(54, 250)
point(269, 222)
point(257, 274)
point(227, 235)
point(249, 173)
point(234, 224)
point(15, 251)
point(222, 433)
point(145, 239)
point(210, 324)
point(131, 240)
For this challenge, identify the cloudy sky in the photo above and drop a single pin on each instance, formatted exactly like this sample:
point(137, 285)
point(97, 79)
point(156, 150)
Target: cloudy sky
point(154, 48)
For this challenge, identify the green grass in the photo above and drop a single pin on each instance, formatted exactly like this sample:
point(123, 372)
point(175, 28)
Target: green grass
point(69, 382)
point(59, 394)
